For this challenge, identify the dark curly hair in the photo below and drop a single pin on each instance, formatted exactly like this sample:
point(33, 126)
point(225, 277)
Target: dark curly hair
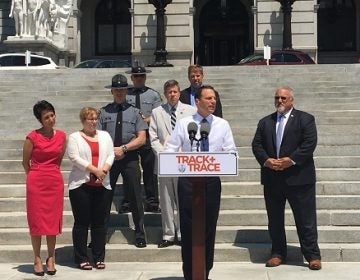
point(42, 106)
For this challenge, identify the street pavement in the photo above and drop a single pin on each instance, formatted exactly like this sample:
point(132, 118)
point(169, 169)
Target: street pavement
point(172, 271)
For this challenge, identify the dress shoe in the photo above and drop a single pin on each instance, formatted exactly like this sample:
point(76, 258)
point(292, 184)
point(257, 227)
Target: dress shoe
point(50, 271)
point(274, 261)
point(140, 243)
point(38, 272)
point(315, 264)
point(165, 243)
point(152, 209)
point(177, 242)
point(124, 209)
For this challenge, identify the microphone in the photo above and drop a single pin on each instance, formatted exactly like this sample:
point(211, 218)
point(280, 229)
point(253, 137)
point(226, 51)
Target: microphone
point(192, 129)
point(204, 130)
point(204, 133)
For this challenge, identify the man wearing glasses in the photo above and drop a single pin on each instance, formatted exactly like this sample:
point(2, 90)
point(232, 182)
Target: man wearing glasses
point(146, 99)
point(283, 145)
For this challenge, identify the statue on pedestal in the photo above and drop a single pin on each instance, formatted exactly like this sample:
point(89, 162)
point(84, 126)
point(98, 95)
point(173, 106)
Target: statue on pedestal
point(18, 7)
point(42, 19)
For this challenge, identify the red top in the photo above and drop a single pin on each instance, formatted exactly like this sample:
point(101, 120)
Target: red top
point(94, 147)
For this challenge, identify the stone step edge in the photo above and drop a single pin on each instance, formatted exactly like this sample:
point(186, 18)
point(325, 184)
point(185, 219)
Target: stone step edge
point(222, 212)
point(222, 196)
point(110, 246)
point(218, 228)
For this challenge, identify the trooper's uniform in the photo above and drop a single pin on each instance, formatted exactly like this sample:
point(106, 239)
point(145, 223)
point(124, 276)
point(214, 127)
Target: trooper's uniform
point(149, 99)
point(128, 166)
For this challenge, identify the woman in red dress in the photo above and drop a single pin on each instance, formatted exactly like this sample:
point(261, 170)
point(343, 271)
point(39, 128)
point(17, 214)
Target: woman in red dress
point(43, 151)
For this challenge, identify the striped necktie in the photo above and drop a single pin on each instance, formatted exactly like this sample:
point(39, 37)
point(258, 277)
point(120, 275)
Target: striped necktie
point(173, 117)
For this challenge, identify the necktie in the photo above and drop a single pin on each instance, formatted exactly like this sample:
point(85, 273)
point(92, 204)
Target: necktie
point(205, 141)
point(137, 98)
point(192, 96)
point(279, 133)
point(118, 128)
point(173, 118)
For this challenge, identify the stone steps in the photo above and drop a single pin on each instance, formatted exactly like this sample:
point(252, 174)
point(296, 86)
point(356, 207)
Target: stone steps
point(228, 188)
point(244, 175)
point(330, 92)
point(244, 163)
point(224, 234)
point(344, 218)
point(224, 252)
point(228, 202)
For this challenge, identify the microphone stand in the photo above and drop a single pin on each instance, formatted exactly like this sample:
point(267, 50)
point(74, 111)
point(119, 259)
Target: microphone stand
point(197, 143)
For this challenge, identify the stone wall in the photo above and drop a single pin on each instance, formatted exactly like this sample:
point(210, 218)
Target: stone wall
point(7, 26)
point(268, 19)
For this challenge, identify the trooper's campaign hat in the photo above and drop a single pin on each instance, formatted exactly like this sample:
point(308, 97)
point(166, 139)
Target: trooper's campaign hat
point(118, 81)
point(137, 69)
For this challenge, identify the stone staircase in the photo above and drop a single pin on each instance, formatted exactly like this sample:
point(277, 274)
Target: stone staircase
point(330, 92)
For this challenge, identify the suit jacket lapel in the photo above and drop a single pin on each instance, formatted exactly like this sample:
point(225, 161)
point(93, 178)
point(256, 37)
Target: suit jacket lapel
point(273, 124)
point(166, 116)
point(289, 123)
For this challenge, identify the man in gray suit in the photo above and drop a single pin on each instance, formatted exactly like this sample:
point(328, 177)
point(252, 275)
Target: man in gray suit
point(163, 120)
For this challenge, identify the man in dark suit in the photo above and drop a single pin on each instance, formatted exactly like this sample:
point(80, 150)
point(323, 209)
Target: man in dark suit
point(196, 76)
point(283, 145)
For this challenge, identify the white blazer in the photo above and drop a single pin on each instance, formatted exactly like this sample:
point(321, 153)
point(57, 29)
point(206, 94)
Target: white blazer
point(79, 153)
point(160, 125)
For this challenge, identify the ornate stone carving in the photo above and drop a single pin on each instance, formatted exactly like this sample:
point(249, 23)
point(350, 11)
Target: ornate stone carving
point(42, 19)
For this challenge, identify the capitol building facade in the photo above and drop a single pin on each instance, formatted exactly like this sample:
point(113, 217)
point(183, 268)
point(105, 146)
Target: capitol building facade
point(208, 32)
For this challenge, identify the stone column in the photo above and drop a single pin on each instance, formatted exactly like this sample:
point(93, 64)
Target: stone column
point(286, 6)
point(160, 52)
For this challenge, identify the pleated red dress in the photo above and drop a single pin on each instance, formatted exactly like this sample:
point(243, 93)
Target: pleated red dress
point(45, 184)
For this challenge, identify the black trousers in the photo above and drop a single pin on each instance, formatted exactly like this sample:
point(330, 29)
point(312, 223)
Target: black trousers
point(147, 160)
point(89, 206)
point(302, 201)
point(212, 206)
point(129, 169)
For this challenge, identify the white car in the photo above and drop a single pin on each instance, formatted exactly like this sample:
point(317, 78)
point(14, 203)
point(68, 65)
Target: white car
point(14, 61)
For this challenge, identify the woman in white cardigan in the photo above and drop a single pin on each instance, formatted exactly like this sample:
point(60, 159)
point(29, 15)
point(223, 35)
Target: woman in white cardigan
point(91, 152)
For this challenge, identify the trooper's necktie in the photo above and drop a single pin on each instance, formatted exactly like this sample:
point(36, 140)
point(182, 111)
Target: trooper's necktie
point(118, 128)
point(173, 117)
point(279, 133)
point(137, 98)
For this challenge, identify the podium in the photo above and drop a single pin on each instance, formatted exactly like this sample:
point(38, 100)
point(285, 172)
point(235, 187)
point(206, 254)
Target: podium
point(198, 166)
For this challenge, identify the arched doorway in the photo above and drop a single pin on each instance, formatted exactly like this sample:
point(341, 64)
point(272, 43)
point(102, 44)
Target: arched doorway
point(223, 33)
point(336, 27)
point(113, 28)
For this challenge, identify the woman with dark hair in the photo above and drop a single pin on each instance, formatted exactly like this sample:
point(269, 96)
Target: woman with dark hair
point(43, 151)
point(91, 152)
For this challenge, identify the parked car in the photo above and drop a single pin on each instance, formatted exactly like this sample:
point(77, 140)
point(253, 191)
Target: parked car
point(16, 61)
point(279, 57)
point(103, 63)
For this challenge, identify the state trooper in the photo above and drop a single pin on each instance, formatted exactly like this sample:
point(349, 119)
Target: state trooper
point(146, 99)
point(128, 131)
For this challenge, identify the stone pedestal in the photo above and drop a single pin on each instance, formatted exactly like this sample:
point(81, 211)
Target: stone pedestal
point(40, 46)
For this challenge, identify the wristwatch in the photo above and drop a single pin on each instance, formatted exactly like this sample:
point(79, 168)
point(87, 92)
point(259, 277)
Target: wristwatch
point(124, 149)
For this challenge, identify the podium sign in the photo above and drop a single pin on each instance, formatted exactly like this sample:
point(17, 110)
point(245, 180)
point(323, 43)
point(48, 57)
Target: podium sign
point(197, 164)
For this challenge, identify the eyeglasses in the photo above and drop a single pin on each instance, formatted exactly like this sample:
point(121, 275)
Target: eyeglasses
point(139, 76)
point(92, 120)
point(280, 97)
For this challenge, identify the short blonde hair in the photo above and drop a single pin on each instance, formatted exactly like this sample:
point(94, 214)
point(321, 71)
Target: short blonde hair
point(88, 112)
point(195, 68)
